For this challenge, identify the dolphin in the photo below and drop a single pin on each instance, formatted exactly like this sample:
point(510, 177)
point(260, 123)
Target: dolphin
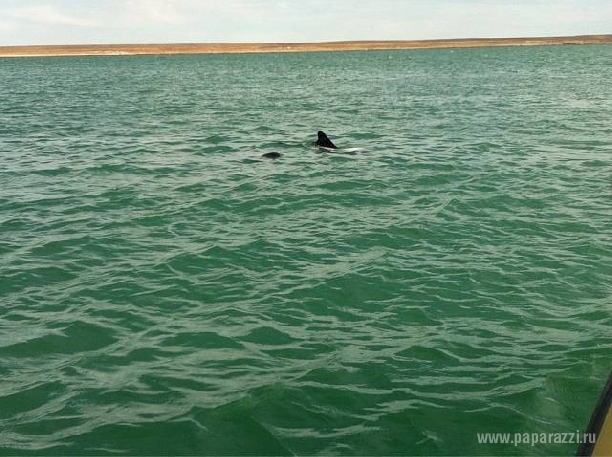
point(271, 155)
point(323, 141)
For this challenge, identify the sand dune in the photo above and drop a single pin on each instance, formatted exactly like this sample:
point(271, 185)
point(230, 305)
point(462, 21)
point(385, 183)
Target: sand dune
point(222, 48)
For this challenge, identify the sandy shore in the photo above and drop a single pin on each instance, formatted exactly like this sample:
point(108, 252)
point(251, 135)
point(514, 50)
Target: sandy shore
point(227, 48)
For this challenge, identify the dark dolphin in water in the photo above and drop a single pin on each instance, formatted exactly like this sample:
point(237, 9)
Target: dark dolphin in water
point(323, 141)
point(272, 155)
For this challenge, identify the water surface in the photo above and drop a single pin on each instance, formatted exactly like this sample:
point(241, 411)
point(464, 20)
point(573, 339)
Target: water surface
point(164, 290)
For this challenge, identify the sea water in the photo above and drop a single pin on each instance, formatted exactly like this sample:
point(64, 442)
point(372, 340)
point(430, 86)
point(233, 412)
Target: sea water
point(166, 290)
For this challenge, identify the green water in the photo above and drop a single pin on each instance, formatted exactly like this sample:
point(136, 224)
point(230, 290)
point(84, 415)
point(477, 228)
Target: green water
point(165, 290)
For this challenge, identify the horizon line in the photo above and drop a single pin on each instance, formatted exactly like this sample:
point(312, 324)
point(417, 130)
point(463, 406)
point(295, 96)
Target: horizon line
point(92, 49)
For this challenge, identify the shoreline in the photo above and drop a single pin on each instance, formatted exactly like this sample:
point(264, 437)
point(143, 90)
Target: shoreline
point(250, 48)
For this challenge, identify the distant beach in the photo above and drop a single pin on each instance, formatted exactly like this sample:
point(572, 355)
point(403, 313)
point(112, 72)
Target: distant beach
point(234, 48)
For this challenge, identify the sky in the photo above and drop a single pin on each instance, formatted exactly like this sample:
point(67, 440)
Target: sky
point(24, 22)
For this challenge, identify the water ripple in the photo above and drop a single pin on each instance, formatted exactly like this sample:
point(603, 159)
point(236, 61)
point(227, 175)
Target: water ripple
point(447, 272)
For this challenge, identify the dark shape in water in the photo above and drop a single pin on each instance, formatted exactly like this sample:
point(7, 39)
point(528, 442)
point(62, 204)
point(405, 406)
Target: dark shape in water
point(272, 155)
point(323, 141)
